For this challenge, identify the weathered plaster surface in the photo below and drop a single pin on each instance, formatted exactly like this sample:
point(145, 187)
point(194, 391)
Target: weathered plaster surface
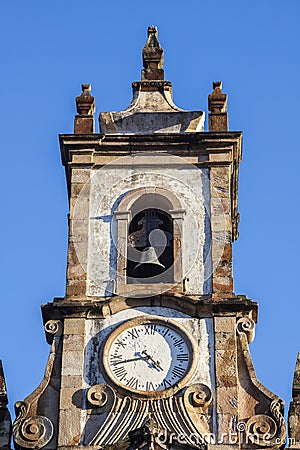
point(112, 182)
point(160, 122)
point(152, 110)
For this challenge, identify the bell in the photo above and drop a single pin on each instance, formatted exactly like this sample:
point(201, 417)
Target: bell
point(149, 265)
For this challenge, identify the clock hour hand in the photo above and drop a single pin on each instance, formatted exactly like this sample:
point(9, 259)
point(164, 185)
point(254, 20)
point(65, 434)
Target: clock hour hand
point(156, 364)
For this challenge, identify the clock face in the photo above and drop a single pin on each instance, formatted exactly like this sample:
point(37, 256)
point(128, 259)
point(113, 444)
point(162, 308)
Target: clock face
point(148, 355)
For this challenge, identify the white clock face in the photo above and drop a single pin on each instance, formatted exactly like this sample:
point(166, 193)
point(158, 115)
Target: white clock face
point(148, 355)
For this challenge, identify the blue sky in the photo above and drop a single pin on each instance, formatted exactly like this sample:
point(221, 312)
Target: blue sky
point(49, 49)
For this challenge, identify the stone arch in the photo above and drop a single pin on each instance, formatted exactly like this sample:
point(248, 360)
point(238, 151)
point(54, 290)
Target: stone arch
point(138, 200)
point(151, 192)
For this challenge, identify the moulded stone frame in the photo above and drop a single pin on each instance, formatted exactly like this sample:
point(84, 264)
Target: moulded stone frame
point(157, 320)
point(216, 151)
point(123, 217)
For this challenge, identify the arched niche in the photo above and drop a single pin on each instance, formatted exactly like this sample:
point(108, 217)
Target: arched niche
point(149, 233)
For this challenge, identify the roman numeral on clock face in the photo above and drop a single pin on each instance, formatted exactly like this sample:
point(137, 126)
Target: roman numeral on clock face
point(182, 357)
point(132, 382)
point(115, 358)
point(178, 371)
point(150, 329)
point(166, 384)
point(178, 342)
point(150, 386)
point(133, 333)
point(120, 372)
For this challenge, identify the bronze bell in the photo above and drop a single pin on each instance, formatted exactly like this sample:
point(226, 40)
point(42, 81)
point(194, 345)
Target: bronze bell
point(149, 265)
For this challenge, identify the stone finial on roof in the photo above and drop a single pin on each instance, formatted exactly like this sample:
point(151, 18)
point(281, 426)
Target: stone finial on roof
point(153, 57)
point(294, 411)
point(217, 105)
point(5, 420)
point(85, 104)
point(152, 109)
point(3, 394)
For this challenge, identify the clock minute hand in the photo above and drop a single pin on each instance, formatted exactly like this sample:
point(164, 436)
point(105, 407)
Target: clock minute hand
point(127, 360)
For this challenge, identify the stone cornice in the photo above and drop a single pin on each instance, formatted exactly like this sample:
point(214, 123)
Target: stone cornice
point(187, 144)
point(196, 306)
point(203, 149)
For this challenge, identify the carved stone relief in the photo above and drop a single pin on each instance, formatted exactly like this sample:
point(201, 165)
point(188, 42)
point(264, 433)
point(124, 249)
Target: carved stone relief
point(262, 430)
point(33, 431)
point(33, 426)
point(118, 416)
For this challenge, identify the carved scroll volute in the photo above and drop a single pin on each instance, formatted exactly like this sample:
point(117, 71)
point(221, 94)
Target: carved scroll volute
point(101, 396)
point(53, 329)
point(247, 326)
point(277, 409)
point(261, 430)
point(31, 431)
point(197, 397)
point(267, 431)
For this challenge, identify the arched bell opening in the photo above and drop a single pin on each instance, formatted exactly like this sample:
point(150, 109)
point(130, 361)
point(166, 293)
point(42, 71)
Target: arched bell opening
point(150, 251)
point(149, 225)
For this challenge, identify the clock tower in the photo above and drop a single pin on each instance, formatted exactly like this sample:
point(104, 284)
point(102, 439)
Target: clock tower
point(150, 345)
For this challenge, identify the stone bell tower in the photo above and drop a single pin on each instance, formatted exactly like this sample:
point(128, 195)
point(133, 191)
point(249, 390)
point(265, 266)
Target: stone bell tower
point(150, 345)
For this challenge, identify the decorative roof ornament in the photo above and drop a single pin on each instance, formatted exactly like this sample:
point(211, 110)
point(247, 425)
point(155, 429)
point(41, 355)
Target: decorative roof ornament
point(152, 109)
point(85, 104)
point(217, 105)
point(3, 393)
point(5, 420)
point(217, 101)
point(153, 57)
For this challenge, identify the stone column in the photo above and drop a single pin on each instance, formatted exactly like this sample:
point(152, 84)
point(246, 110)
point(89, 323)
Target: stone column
point(123, 219)
point(221, 230)
point(177, 216)
point(226, 376)
point(78, 233)
point(72, 382)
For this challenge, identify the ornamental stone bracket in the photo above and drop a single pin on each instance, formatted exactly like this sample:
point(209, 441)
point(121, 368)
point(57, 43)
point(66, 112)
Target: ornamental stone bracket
point(36, 424)
point(261, 423)
point(267, 430)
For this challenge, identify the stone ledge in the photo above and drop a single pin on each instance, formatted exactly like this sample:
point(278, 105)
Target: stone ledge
point(196, 306)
